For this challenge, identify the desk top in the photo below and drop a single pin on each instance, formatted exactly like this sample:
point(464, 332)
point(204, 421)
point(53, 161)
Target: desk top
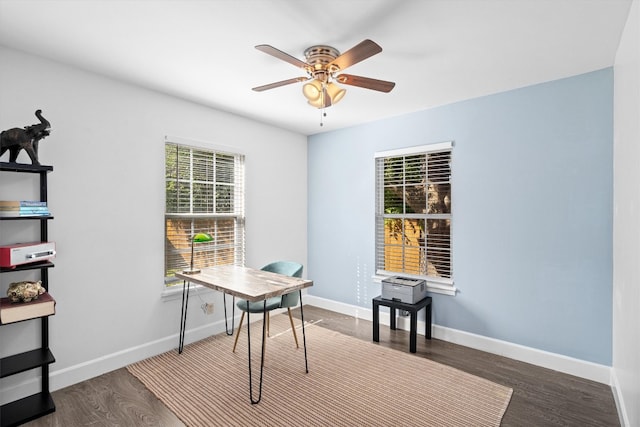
point(246, 283)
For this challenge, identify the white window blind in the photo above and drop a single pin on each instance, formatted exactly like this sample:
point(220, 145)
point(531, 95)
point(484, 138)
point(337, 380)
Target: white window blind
point(204, 194)
point(413, 213)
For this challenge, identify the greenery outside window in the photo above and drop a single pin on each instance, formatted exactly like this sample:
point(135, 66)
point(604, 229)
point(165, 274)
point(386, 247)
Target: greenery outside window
point(413, 214)
point(204, 193)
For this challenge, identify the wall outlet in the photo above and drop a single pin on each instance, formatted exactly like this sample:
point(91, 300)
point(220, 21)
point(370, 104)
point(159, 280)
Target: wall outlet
point(207, 308)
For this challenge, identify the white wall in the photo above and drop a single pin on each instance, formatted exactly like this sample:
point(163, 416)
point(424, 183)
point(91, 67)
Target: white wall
point(107, 195)
point(626, 229)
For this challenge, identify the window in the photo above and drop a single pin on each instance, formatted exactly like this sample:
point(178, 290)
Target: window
point(413, 214)
point(204, 194)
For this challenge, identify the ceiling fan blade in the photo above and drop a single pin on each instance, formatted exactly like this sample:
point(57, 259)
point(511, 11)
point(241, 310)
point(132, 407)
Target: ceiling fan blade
point(280, 83)
point(359, 52)
point(366, 82)
point(282, 55)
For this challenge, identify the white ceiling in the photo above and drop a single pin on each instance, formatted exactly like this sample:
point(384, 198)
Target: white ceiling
point(437, 51)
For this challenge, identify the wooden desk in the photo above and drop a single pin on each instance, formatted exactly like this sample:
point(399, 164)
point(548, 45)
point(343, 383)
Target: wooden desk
point(248, 284)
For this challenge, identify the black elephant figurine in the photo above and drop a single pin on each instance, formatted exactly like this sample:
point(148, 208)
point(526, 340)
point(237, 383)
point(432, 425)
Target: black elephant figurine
point(26, 139)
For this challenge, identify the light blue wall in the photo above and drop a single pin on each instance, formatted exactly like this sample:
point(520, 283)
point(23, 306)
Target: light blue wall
point(532, 206)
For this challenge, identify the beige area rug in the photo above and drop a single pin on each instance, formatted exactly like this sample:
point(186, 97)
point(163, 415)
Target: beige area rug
point(350, 383)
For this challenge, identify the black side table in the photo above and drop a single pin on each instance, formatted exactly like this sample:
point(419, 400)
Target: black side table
point(411, 308)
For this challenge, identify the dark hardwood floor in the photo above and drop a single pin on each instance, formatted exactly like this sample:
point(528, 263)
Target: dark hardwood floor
point(541, 397)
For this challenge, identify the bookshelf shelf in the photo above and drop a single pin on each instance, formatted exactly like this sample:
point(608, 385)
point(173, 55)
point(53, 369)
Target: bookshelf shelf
point(27, 409)
point(22, 362)
point(23, 167)
point(30, 407)
point(13, 218)
point(31, 266)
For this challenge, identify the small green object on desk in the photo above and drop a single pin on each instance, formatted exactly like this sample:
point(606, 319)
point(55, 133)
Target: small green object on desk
point(198, 238)
point(202, 237)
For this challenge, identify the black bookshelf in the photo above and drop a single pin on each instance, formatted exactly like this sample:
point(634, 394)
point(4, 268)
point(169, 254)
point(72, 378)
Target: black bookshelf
point(41, 403)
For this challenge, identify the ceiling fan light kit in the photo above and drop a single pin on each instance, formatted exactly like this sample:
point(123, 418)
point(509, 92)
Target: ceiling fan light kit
point(319, 93)
point(335, 92)
point(323, 66)
point(312, 90)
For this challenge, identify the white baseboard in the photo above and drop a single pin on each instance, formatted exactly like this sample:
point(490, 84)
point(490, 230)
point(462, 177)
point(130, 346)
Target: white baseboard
point(619, 399)
point(81, 372)
point(65, 377)
point(569, 365)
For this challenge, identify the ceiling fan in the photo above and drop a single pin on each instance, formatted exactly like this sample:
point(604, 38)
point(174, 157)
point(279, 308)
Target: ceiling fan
point(323, 66)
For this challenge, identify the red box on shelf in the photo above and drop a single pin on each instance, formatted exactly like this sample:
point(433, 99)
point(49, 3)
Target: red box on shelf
point(25, 253)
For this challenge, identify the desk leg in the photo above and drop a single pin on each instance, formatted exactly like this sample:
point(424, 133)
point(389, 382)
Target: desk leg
point(412, 331)
point(183, 314)
point(233, 314)
point(264, 336)
point(376, 322)
point(427, 321)
point(304, 337)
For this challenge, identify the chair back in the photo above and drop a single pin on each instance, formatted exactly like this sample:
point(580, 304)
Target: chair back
point(287, 268)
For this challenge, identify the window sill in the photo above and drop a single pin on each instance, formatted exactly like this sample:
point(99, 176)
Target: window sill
point(170, 293)
point(444, 288)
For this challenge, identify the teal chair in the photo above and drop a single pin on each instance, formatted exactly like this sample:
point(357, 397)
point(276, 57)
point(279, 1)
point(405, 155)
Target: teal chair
point(287, 268)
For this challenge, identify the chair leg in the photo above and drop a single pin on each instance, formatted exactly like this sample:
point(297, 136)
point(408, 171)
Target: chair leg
point(268, 324)
point(293, 328)
point(235, 343)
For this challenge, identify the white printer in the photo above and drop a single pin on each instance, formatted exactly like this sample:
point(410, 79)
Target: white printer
point(404, 289)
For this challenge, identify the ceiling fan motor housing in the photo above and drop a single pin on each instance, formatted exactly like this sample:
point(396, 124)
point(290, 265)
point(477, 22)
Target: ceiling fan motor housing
point(318, 57)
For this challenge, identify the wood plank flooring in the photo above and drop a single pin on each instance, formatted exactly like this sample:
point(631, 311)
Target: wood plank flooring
point(541, 397)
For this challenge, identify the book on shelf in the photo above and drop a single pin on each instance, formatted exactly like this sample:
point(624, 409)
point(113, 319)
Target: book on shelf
point(18, 208)
point(22, 203)
point(23, 208)
point(11, 312)
point(24, 213)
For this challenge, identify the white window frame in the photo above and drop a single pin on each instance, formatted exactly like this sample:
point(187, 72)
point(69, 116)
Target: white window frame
point(237, 214)
point(442, 285)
